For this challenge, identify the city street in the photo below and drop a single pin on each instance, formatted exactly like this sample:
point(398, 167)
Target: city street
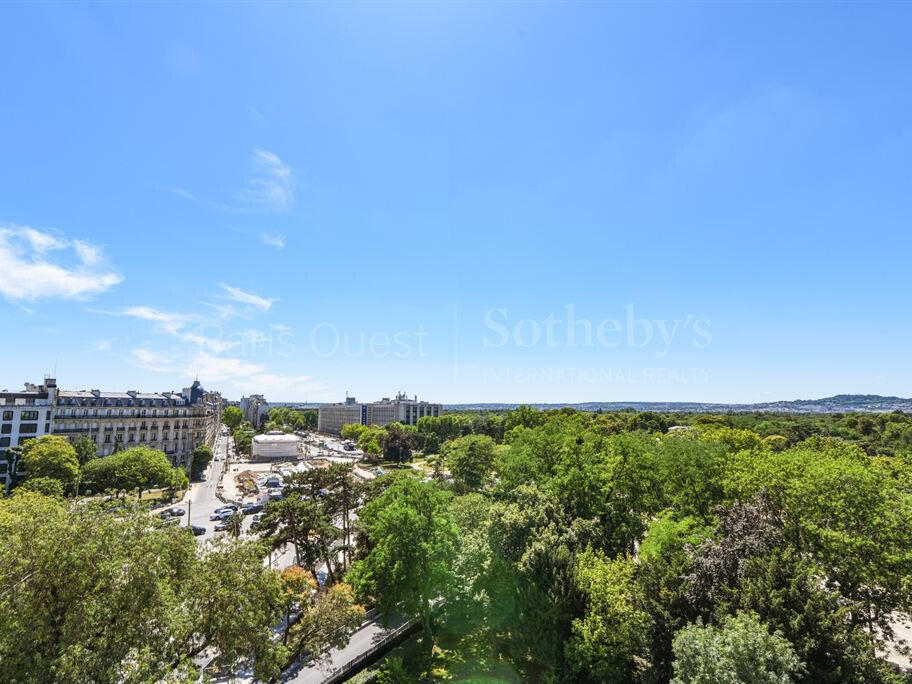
point(201, 499)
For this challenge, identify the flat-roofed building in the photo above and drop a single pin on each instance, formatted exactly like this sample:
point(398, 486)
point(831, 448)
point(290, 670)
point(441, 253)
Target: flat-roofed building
point(331, 417)
point(24, 415)
point(403, 410)
point(275, 446)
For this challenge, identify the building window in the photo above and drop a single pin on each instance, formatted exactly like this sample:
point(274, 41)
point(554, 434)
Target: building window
point(28, 428)
point(6, 429)
point(7, 415)
point(4, 441)
point(107, 439)
point(29, 415)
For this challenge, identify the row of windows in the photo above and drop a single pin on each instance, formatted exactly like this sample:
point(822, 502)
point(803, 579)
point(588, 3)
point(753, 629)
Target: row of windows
point(24, 428)
point(61, 401)
point(119, 412)
point(26, 415)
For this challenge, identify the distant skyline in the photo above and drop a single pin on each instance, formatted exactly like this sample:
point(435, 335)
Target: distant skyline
point(471, 202)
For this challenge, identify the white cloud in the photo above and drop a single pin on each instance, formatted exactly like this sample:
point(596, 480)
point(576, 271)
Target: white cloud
point(273, 188)
point(168, 322)
point(211, 368)
point(147, 359)
point(280, 327)
point(29, 273)
point(236, 294)
point(273, 239)
point(102, 345)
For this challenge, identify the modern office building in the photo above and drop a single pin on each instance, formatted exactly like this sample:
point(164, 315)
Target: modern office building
point(275, 446)
point(331, 417)
point(403, 410)
point(175, 423)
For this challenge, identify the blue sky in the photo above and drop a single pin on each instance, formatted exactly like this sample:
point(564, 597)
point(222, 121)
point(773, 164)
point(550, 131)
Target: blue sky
point(305, 200)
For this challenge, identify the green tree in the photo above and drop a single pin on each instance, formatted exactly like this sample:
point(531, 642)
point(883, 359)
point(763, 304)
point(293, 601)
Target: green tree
point(397, 443)
point(199, 461)
point(243, 441)
point(393, 671)
point(232, 417)
point(138, 468)
point(86, 449)
point(412, 540)
point(613, 633)
point(523, 416)
point(470, 459)
point(44, 485)
point(87, 596)
point(741, 649)
point(52, 457)
point(371, 441)
point(352, 431)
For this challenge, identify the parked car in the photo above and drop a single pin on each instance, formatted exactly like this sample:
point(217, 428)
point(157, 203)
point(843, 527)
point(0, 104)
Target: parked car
point(252, 508)
point(176, 511)
point(227, 507)
point(221, 515)
point(197, 530)
point(221, 526)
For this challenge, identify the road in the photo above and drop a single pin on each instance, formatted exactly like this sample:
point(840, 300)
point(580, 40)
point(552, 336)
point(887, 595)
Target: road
point(201, 499)
point(361, 641)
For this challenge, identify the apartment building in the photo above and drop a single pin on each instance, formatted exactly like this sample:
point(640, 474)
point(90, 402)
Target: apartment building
point(175, 423)
point(24, 415)
point(255, 408)
point(332, 417)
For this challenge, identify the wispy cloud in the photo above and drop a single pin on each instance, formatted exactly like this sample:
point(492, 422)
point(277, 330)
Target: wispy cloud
point(273, 239)
point(148, 359)
point(221, 368)
point(273, 187)
point(35, 265)
point(102, 345)
point(170, 323)
point(270, 189)
point(256, 114)
point(236, 294)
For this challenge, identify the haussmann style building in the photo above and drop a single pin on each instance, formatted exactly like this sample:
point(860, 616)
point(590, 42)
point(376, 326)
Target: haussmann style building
point(173, 422)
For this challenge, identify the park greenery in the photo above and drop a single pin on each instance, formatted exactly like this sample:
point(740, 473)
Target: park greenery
point(539, 546)
point(95, 592)
point(564, 546)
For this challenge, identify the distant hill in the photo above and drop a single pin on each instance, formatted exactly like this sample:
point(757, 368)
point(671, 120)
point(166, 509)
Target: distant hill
point(841, 403)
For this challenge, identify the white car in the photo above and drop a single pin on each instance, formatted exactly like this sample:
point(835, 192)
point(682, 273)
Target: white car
point(223, 515)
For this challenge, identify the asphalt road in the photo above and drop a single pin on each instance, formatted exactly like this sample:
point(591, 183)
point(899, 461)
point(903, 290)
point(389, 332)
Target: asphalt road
point(201, 499)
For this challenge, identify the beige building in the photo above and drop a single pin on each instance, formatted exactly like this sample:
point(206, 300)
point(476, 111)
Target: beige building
point(331, 417)
point(403, 410)
point(170, 422)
